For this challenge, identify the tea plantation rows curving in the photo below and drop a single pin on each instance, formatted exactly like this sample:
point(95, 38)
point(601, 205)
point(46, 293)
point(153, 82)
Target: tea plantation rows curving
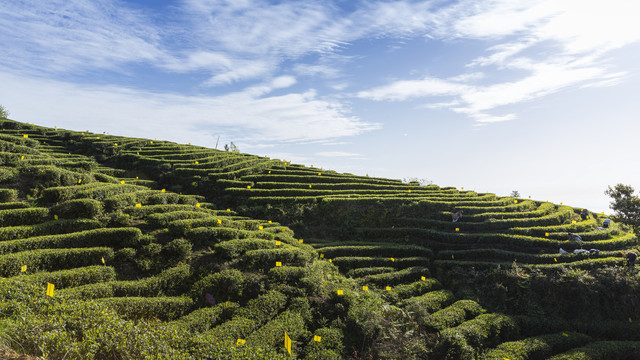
point(151, 249)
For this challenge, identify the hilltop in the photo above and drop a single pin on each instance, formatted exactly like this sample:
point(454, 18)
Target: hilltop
point(130, 248)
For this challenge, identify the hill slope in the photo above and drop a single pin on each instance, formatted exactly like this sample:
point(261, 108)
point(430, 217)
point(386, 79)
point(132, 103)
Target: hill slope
point(162, 250)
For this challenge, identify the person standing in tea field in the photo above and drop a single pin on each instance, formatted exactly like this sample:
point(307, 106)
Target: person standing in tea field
point(631, 258)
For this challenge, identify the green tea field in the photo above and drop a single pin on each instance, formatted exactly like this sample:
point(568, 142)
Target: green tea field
point(130, 248)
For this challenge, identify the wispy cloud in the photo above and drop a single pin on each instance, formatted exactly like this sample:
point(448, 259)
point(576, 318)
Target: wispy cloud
point(69, 36)
point(251, 115)
point(553, 44)
point(338, 154)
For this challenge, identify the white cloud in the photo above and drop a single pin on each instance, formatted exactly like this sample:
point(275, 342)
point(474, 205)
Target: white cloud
point(68, 36)
point(337, 154)
point(553, 44)
point(407, 89)
point(247, 116)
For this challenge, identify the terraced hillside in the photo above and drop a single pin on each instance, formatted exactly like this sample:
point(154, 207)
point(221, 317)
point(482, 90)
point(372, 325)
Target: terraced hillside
point(161, 250)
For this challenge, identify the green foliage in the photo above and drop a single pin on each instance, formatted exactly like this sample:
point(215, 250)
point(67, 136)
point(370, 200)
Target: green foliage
point(205, 318)
point(413, 289)
point(603, 350)
point(264, 307)
point(626, 205)
point(452, 315)
point(49, 227)
point(265, 259)
point(330, 346)
point(226, 285)
point(176, 251)
point(72, 277)
point(163, 308)
point(4, 113)
point(425, 304)
point(7, 195)
point(28, 216)
point(537, 348)
point(52, 259)
point(271, 335)
point(397, 277)
point(79, 208)
point(115, 237)
point(169, 282)
point(469, 338)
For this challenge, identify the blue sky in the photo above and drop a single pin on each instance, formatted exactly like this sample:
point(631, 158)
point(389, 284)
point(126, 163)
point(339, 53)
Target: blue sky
point(490, 95)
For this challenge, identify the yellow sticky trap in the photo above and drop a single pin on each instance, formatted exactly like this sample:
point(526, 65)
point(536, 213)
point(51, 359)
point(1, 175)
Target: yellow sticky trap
point(287, 342)
point(285, 163)
point(22, 157)
point(554, 259)
point(269, 222)
point(55, 217)
point(330, 261)
point(309, 186)
point(79, 181)
point(163, 190)
point(409, 190)
point(560, 203)
point(278, 243)
point(423, 278)
point(462, 188)
point(317, 338)
point(189, 143)
point(248, 186)
point(269, 171)
point(240, 341)
point(219, 221)
point(23, 268)
point(136, 178)
point(515, 201)
point(228, 209)
point(300, 241)
point(25, 136)
point(121, 181)
point(392, 259)
point(103, 263)
point(98, 137)
point(260, 227)
point(340, 292)
point(587, 217)
point(388, 288)
point(457, 229)
point(138, 205)
point(573, 221)
point(151, 142)
point(115, 144)
point(546, 234)
point(365, 288)
point(198, 205)
point(602, 213)
point(565, 334)
point(81, 133)
point(321, 256)
point(319, 174)
point(197, 163)
point(278, 263)
point(283, 229)
point(50, 288)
